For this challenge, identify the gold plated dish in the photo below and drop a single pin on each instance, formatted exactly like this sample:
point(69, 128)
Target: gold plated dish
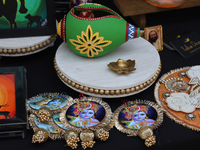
point(122, 66)
point(86, 118)
point(139, 117)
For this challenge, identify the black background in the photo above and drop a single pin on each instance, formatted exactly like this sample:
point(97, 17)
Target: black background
point(41, 77)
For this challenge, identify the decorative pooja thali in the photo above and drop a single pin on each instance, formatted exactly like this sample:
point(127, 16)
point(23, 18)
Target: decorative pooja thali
point(177, 92)
point(95, 78)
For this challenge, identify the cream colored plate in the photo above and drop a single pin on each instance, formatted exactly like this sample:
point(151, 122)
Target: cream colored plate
point(25, 45)
point(92, 76)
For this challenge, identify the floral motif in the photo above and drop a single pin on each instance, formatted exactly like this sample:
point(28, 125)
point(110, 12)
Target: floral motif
point(181, 102)
point(89, 43)
point(194, 74)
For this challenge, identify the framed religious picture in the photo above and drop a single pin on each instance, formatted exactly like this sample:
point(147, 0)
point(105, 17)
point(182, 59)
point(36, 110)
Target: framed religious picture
point(85, 118)
point(13, 116)
point(154, 35)
point(139, 117)
point(23, 18)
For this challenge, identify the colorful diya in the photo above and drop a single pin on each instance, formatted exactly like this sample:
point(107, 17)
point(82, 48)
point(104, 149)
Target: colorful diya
point(94, 37)
point(139, 117)
point(177, 92)
point(165, 3)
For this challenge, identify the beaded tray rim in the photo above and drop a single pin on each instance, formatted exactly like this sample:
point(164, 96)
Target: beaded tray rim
point(28, 50)
point(106, 93)
point(156, 95)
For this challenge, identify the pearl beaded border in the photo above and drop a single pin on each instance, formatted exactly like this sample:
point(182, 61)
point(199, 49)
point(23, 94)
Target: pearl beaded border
point(106, 92)
point(25, 50)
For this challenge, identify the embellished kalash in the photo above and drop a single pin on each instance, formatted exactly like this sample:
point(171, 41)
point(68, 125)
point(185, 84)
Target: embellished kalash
point(97, 36)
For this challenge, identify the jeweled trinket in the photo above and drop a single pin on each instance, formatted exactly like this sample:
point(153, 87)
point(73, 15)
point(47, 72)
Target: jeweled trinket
point(182, 74)
point(190, 116)
point(86, 118)
point(139, 118)
point(166, 94)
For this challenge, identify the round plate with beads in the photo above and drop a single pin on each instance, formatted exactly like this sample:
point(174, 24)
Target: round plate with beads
point(178, 93)
point(22, 46)
point(93, 77)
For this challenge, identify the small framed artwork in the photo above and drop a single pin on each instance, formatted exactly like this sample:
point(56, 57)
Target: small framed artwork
point(23, 18)
point(139, 117)
point(13, 98)
point(154, 35)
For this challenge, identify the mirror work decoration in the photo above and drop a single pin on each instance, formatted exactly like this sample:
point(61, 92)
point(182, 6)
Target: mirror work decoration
point(139, 117)
point(177, 92)
point(79, 120)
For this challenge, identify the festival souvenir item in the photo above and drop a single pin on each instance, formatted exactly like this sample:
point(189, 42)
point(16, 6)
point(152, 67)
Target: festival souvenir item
point(165, 3)
point(139, 117)
point(94, 37)
point(85, 118)
point(42, 130)
point(45, 105)
point(177, 92)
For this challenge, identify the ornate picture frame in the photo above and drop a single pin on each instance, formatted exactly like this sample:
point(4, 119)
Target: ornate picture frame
point(154, 35)
point(27, 18)
point(148, 116)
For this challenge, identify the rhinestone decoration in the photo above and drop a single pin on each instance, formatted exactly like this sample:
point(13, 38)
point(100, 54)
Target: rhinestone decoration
point(182, 74)
point(194, 81)
point(190, 116)
point(166, 94)
point(176, 84)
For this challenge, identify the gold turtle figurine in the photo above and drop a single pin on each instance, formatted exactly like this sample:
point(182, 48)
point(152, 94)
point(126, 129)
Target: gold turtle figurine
point(122, 66)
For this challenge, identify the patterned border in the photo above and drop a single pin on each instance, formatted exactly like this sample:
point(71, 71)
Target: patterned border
point(26, 50)
point(34, 111)
point(105, 123)
point(106, 92)
point(156, 95)
point(134, 132)
point(94, 8)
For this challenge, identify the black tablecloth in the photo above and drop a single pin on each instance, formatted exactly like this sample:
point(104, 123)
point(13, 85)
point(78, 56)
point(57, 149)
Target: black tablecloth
point(41, 77)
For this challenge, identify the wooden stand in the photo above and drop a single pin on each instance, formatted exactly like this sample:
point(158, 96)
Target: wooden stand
point(137, 9)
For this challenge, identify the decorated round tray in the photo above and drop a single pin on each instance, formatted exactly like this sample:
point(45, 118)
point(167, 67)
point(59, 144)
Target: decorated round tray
point(177, 92)
point(165, 3)
point(92, 76)
point(22, 46)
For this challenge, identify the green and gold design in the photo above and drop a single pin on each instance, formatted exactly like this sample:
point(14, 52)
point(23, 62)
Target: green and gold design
point(89, 43)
